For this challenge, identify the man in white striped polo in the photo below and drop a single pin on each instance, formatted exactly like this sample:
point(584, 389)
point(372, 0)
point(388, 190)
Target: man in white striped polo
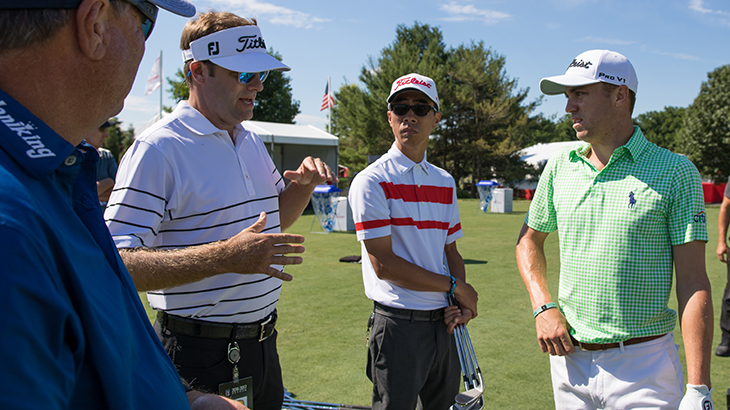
point(407, 220)
point(185, 211)
point(626, 212)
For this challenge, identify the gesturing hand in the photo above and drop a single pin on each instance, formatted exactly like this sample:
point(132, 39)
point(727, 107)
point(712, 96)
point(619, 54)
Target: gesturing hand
point(311, 171)
point(253, 252)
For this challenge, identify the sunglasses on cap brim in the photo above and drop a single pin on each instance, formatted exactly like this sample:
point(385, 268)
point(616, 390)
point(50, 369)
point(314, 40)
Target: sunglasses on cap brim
point(149, 11)
point(420, 110)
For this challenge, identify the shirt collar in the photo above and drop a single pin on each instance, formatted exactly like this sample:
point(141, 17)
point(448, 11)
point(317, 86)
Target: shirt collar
point(29, 141)
point(636, 145)
point(196, 122)
point(403, 163)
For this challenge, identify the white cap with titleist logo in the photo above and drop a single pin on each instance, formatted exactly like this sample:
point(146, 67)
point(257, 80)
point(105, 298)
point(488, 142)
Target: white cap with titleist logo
point(240, 49)
point(590, 67)
point(416, 82)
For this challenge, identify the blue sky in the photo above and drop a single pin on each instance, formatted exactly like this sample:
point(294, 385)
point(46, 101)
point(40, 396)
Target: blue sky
point(672, 44)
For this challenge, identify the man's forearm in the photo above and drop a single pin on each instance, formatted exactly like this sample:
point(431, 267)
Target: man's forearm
point(532, 265)
point(697, 330)
point(157, 269)
point(292, 202)
point(723, 220)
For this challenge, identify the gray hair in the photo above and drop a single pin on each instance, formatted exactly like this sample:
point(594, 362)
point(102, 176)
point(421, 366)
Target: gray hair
point(23, 28)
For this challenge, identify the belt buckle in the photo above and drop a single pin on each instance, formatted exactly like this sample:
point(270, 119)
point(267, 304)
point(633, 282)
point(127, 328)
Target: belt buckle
point(262, 333)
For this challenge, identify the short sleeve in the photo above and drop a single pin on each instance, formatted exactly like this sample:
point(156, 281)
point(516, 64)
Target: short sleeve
point(369, 205)
point(541, 215)
point(142, 194)
point(686, 216)
point(455, 231)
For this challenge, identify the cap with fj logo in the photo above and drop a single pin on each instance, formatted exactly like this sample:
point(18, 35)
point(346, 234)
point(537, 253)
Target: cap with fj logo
point(240, 49)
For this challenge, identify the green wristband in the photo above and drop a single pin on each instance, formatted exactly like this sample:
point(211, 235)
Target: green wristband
point(543, 308)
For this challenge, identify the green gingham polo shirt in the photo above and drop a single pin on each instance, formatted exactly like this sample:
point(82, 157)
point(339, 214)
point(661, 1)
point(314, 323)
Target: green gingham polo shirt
point(616, 228)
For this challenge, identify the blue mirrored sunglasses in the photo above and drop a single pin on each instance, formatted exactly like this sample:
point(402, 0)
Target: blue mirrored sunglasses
point(244, 78)
point(149, 11)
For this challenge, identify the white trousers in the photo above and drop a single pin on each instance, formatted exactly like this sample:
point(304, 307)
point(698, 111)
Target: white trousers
point(641, 376)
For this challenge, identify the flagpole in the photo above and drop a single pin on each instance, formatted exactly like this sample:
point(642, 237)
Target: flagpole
point(161, 77)
point(329, 104)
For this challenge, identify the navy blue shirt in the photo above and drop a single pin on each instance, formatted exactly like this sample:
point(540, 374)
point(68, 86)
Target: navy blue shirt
point(73, 332)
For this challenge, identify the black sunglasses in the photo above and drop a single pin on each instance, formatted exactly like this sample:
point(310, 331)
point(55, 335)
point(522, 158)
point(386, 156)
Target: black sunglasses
point(420, 110)
point(149, 11)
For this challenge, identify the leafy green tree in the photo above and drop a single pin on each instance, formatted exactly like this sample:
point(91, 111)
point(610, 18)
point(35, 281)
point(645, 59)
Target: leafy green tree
point(359, 117)
point(663, 127)
point(706, 133)
point(119, 140)
point(274, 103)
point(488, 118)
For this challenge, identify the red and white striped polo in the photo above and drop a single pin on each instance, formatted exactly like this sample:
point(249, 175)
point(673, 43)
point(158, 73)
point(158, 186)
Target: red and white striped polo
point(414, 203)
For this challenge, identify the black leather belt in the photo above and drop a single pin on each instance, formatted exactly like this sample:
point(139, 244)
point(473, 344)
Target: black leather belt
point(606, 346)
point(408, 314)
point(260, 330)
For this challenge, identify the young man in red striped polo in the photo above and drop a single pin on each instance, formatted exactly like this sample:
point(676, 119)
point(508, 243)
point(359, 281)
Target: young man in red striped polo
point(407, 220)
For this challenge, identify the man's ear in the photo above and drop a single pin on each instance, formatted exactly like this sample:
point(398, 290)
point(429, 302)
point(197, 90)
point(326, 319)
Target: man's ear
point(198, 71)
point(622, 95)
point(91, 27)
point(436, 119)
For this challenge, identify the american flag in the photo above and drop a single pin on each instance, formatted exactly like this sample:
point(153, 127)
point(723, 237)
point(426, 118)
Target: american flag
point(327, 101)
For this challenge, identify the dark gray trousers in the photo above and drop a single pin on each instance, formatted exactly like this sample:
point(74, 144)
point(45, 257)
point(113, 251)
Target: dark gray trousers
point(412, 363)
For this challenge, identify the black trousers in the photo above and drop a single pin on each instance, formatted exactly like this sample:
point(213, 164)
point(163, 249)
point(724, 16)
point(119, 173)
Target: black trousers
point(725, 310)
point(203, 363)
point(412, 364)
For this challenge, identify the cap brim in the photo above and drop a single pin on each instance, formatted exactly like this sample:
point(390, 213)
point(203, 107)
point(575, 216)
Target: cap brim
point(404, 89)
point(556, 85)
point(250, 63)
point(180, 7)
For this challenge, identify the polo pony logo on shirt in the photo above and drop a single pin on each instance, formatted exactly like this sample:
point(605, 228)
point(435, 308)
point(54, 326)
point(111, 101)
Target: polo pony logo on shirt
point(632, 200)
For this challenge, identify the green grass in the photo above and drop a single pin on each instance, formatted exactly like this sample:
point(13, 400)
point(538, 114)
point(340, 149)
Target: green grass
point(323, 314)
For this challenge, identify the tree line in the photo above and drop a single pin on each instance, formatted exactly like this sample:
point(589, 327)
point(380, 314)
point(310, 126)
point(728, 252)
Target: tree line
point(487, 118)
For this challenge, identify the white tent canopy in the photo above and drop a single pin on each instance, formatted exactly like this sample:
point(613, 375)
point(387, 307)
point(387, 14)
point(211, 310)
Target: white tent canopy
point(289, 144)
point(539, 154)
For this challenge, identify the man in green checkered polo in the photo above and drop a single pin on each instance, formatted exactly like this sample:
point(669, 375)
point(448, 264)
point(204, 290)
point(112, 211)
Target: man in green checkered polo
point(626, 212)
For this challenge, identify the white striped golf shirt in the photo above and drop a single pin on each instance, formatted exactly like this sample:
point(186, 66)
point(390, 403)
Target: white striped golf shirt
point(414, 203)
point(184, 183)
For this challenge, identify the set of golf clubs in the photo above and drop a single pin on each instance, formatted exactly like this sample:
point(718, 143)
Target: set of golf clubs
point(290, 403)
point(472, 398)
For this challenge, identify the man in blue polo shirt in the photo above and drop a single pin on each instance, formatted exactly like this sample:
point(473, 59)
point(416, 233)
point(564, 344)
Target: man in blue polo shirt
point(74, 333)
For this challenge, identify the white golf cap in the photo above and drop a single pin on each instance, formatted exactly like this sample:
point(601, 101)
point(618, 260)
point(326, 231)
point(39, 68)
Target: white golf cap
point(416, 82)
point(179, 7)
point(593, 66)
point(240, 49)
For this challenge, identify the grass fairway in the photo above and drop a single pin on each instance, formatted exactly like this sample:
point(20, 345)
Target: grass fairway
point(323, 314)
